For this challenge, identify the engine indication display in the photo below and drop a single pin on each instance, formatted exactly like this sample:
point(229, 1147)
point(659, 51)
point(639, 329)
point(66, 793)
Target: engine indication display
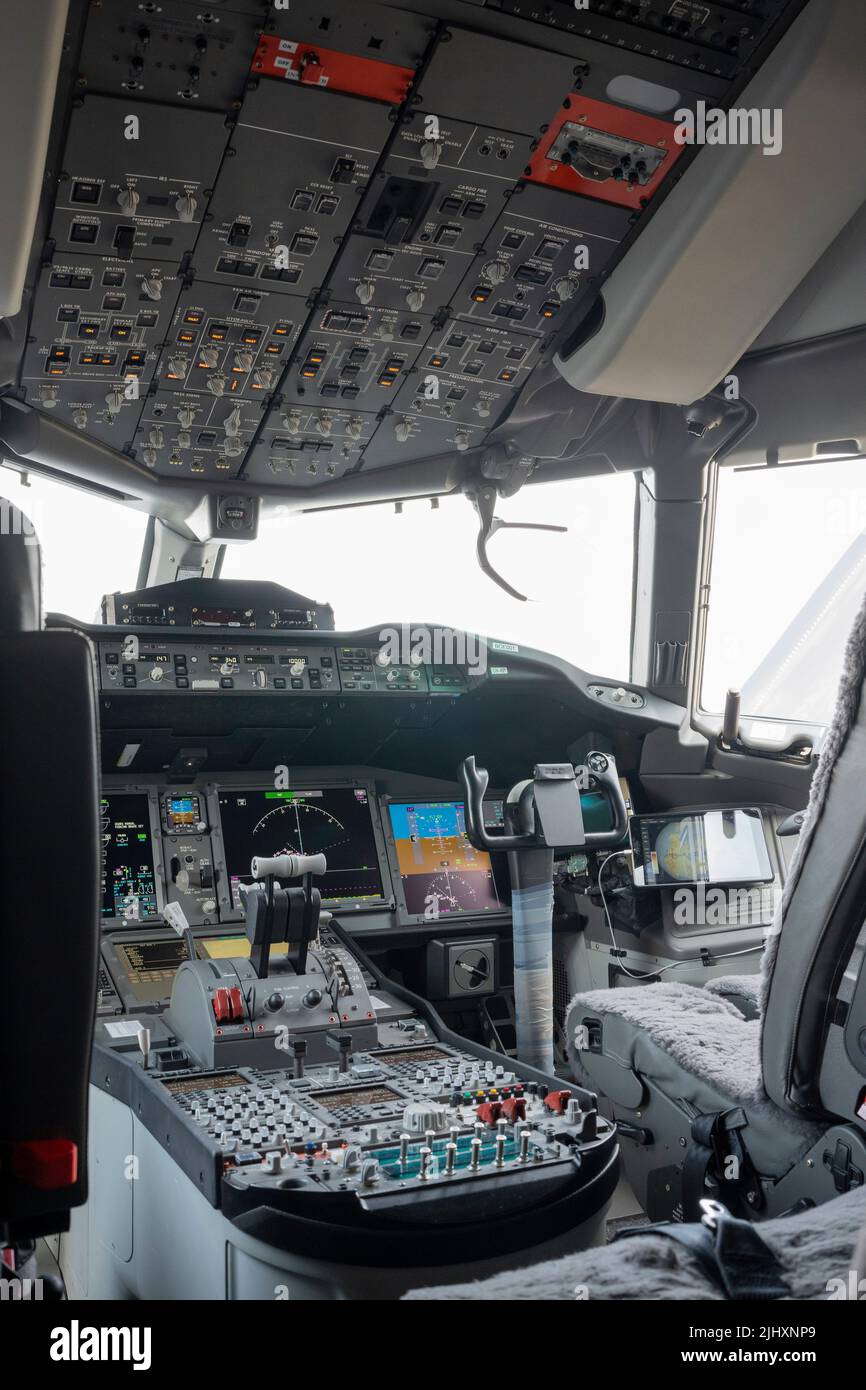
point(443, 875)
point(128, 880)
point(334, 821)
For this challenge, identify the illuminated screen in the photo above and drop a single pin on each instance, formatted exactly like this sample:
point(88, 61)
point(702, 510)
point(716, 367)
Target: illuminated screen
point(443, 875)
point(182, 812)
point(709, 847)
point(128, 884)
point(150, 966)
point(335, 822)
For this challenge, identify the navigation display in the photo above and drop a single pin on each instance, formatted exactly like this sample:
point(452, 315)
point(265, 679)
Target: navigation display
point(128, 882)
point(334, 821)
point(710, 847)
point(442, 874)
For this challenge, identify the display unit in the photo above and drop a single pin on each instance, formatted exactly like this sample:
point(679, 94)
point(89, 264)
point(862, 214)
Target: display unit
point(338, 819)
point(133, 880)
point(438, 876)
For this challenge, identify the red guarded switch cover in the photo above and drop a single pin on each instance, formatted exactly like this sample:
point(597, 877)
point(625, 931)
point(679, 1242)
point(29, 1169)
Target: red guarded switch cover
point(221, 1005)
point(313, 66)
point(604, 151)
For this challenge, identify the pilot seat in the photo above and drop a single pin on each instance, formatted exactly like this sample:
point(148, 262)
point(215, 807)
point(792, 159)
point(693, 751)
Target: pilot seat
point(753, 1091)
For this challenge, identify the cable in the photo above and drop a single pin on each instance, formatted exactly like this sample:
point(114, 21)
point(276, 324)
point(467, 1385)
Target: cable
point(692, 960)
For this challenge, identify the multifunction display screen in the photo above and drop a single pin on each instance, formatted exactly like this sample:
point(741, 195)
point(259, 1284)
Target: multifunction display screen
point(334, 821)
point(723, 847)
point(128, 883)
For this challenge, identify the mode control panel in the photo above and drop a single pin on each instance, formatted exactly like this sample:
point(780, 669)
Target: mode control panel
point(217, 667)
point(133, 663)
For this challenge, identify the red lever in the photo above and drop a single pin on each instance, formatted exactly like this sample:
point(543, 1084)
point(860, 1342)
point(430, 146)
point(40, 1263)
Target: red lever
point(236, 1003)
point(557, 1101)
point(489, 1112)
point(221, 1005)
point(45, 1163)
point(514, 1109)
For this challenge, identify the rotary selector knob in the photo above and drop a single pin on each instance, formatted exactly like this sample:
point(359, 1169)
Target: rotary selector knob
point(149, 457)
point(355, 428)
point(184, 439)
point(216, 385)
point(155, 438)
point(114, 401)
point(618, 695)
point(233, 421)
point(382, 658)
point(185, 207)
point(312, 998)
point(48, 397)
point(274, 1003)
point(292, 422)
point(419, 1117)
point(263, 378)
point(151, 286)
point(324, 424)
point(128, 200)
point(233, 448)
point(461, 439)
point(297, 668)
point(79, 419)
point(185, 416)
point(402, 429)
point(177, 366)
point(156, 674)
point(208, 357)
point(564, 289)
point(482, 409)
point(415, 300)
point(365, 290)
point(494, 272)
point(244, 360)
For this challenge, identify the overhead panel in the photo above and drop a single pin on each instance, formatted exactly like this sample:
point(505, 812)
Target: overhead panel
point(184, 52)
point(225, 351)
point(136, 179)
point(288, 245)
point(295, 166)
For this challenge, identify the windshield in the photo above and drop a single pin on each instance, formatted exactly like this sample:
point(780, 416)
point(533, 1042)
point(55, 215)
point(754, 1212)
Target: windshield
point(376, 567)
point(90, 546)
point(788, 577)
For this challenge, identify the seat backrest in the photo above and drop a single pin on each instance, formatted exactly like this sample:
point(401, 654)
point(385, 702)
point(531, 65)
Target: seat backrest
point(813, 1039)
point(49, 897)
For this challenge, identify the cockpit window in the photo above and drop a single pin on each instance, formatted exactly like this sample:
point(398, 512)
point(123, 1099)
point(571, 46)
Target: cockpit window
point(90, 546)
point(377, 567)
point(788, 576)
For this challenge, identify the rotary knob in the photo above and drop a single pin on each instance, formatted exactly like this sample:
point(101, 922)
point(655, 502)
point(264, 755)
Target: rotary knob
point(244, 360)
point(312, 998)
point(324, 424)
point(494, 272)
point(208, 357)
point(114, 401)
point(564, 289)
point(461, 439)
point(274, 1003)
point(128, 200)
point(155, 437)
point(185, 416)
point(151, 286)
point(292, 422)
point(185, 207)
point(156, 674)
point(365, 290)
point(177, 366)
point(355, 428)
point(402, 429)
point(415, 300)
point(233, 421)
point(216, 385)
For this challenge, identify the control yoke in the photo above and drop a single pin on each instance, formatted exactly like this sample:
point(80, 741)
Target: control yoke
point(277, 914)
point(545, 811)
point(542, 814)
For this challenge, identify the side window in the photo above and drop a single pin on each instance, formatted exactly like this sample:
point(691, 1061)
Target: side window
point(788, 575)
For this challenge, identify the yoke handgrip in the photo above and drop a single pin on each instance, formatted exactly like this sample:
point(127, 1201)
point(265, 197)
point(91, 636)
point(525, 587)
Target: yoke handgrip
point(604, 771)
point(474, 781)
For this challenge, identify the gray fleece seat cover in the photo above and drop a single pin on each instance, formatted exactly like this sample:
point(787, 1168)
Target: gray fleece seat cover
point(696, 1046)
point(694, 1043)
point(815, 1248)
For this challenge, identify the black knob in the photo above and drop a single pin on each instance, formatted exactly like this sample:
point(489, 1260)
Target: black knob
point(312, 998)
point(275, 1003)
